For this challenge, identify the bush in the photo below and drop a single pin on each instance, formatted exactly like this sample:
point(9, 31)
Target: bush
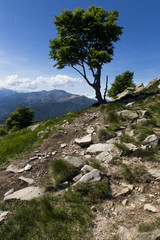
point(19, 119)
point(121, 82)
point(3, 132)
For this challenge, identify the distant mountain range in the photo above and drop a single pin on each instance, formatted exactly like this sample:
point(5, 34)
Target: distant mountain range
point(46, 104)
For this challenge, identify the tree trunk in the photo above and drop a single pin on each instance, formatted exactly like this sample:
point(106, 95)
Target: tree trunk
point(97, 87)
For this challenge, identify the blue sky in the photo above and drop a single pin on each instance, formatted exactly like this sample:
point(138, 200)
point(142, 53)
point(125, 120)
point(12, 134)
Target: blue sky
point(26, 26)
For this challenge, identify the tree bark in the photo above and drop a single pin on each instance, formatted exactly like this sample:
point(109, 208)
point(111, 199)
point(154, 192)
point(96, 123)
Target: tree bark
point(97, 87)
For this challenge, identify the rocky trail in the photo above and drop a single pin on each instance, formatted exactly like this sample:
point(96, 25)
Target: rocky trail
point(78, 143)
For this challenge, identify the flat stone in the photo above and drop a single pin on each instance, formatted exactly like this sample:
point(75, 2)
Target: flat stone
point(150, 208)
point(3, 215)
point(30, 181)
point(12, 168)
point(121, 189)
point(27, 194)
point(76, 161)
point(100, 147)
point(85, 141)
point(91, 177)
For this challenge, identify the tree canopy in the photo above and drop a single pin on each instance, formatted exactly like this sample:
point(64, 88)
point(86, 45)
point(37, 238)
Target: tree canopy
point(21, 118)
point(121, 82)
point(85, 42)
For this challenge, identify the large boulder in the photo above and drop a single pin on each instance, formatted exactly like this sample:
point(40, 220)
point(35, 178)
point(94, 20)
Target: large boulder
point(94, 176)
point(100, 147)
point(139, 87)
point(152, 82)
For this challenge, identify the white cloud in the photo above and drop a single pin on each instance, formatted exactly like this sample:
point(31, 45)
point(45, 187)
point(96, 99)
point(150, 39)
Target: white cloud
point(18, 83)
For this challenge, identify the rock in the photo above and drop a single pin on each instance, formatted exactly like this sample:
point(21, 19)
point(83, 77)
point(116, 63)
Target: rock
point(124, 202)
point(76, 161)
point(27, 167)
point(150, 208)
point(143, 113)
point(91, 177)
point(100, 147)
point(104, 157)
point(78, 177)
point(90, 130)
point(12, 168)
point(30, 181)
point(155, 172)
point(27, 194)
point(33, 127)
point(9, 192)
point(159, 86)
point(151, 140)
point(121, 190)
point(128, 115)
point(152, 82)
point(3, 215)
point(63, 145)
point(131, 146)
point(139, 87)
point(123, 94)
point(85, 141)
point(86, 168)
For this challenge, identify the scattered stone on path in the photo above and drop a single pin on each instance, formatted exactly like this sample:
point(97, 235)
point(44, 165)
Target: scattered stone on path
point(63, 145)
point(150, 208)
point(84, 141)
point(27, 194)
point(131, 147)
point(12, 168)
point(30, 181)
point(121, 189)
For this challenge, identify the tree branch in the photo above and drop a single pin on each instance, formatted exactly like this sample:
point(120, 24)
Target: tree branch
point(106, 88)
point(83, 75)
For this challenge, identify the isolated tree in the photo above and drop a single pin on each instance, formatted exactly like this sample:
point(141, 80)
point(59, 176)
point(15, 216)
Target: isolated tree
point(85, 41)
point(121, 82)
point(21, 118)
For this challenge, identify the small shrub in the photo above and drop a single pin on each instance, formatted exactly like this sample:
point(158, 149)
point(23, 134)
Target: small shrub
point(3, 132)
point(63, 171)
point(105, 134)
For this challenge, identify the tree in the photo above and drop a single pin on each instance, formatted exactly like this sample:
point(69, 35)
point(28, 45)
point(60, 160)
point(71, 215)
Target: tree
point(21, 118)
point(121, 82)
point(85, 40)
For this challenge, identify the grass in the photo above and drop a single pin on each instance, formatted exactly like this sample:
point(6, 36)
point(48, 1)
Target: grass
point(150, 226)
point(106, 134)
point(66, 217)
point(23, 141)
point(137, 174)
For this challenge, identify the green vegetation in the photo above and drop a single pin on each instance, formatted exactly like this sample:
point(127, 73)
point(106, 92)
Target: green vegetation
point(19, 119)
point(97, 38)
point(63, 171)
point(146, 227)
point(63, 217)
point(105, 134)
point(121, 83)
point(137, 174)
point(3, 132)
point(23, 141)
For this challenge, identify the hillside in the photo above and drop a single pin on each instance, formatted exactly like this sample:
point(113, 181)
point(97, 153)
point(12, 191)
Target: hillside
point(46, 104)
point(88, 175)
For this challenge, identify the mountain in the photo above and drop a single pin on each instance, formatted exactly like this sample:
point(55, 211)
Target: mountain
point(46, 104)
